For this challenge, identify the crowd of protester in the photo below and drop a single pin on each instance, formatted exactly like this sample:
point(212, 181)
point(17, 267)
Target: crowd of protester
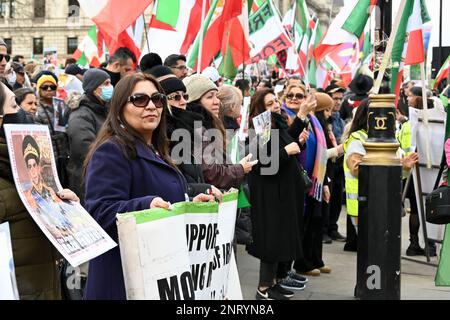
point(115, 155)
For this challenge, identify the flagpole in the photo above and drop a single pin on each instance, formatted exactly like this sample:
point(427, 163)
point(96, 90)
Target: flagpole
point(146, 33)
point(200, 48)
point(425, 116)
point(390, 45)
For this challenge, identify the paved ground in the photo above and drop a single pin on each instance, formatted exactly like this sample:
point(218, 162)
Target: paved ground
point(417, 280)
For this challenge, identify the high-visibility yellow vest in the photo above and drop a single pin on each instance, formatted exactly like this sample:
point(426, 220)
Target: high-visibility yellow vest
point(404, 138)
point(351, 182)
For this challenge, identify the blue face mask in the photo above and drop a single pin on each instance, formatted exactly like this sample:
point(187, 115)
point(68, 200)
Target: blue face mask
point(107, 93)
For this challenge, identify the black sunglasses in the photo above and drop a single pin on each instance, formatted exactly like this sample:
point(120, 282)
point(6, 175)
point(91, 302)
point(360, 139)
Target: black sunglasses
point(298, 96)
point(51, 87)
point(141, 100)
point(6, 56)
point(177, 97)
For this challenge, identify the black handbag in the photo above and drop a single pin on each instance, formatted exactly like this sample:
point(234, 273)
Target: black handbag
point(306, 180)
point(437, 203)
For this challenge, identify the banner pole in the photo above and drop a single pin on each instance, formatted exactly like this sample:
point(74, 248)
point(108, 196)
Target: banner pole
point(390, 46)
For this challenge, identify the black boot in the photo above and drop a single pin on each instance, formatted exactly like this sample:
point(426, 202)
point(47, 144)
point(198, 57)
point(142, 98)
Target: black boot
point(414, 248)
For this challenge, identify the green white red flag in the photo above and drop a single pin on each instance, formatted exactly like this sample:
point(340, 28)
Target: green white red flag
point(87, 53)
point(443, 72)
point(414, 12)
point(173, 26)
point(347, 27)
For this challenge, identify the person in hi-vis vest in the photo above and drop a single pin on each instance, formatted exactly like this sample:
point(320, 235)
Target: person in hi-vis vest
point(354, 152)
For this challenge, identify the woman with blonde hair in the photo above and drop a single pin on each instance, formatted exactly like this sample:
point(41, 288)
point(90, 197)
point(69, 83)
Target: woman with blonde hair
point(294, 96)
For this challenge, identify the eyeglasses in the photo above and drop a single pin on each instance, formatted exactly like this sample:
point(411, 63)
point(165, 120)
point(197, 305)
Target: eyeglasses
point(141, 100)
point(183, 67)
point(6, 56)
point(177, 97)
point(51, 87)
point(297, 96)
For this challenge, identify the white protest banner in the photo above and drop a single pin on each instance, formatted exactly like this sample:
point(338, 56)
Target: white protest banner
point(8, 285)
point(72, 230)
point(224, 250)
point(181, 254)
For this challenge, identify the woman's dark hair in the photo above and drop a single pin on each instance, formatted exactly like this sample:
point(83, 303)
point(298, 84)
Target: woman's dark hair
point(215, 122)
point(325, 126)
point(22, 93)
point(116, 126)
point(359, 122)
point(257, 105)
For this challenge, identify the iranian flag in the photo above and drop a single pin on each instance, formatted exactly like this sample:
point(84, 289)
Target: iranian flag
point(172, 24)
point(305, 21)
point(235, 49)
point(214, 33)
point(408, 46)
point(347, 27)
point(443, 72)
point(114, 16)
point(87, 53)
point(315, 72)
point(415, 52)
point(267, 35)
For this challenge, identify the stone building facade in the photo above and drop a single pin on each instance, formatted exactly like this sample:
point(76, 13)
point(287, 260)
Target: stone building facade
point(31, 27)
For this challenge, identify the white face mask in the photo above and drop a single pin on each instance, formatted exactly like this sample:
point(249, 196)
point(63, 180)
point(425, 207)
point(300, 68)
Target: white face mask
point(12, 78)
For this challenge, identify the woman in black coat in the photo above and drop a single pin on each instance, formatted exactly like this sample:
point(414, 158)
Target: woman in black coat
point(277, 199)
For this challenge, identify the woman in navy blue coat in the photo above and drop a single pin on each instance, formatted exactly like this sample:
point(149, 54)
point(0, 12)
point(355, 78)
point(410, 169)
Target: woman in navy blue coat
point(128, 169)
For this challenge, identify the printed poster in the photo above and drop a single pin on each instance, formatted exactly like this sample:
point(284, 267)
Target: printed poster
point(70, 228)
point(60, 118)
point(262, 124)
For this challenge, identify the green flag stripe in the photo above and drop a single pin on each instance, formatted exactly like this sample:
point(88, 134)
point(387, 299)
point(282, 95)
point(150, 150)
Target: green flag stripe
point(82, 61)
point(178, 209)
point(168, 11)
point(93, 34)
point(194, 55)
point(357, 19)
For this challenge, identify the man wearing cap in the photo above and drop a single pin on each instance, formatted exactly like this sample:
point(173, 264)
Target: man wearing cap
point(38, 191)
point(177, 63)
point(337, 170)
point(85, 122)
point(20, 75)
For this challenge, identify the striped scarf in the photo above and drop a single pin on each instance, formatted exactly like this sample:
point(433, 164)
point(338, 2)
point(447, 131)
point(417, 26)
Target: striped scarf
point(320, 163)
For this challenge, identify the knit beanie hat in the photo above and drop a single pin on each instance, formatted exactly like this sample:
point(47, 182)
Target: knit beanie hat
point(167, 79)
point(324, 102)
point(93, 78)
point(198, 85)
point(45, 78)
